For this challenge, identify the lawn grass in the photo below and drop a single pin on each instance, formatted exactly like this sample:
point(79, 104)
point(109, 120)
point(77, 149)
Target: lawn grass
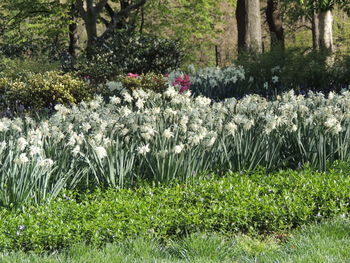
point(325, 242)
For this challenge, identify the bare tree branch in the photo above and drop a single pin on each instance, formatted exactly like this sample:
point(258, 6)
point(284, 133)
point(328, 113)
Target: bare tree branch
point(100, 5)
point(105, 21)
point(80, 7)
point(109, 10)
point(129, 8)
point(119, 15)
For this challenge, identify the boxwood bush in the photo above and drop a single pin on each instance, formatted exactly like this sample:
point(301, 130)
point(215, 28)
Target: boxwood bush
point(252, 202)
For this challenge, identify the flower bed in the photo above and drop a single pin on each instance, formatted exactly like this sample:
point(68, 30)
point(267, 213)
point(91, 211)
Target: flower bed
point(160, 137)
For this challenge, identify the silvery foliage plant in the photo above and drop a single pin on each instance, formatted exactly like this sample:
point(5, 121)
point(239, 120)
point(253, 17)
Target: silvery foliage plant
point(216, 83)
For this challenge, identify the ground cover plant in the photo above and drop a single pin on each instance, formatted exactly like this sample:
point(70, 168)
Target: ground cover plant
point(325, 242)
point(162, 137)
point(251, 203)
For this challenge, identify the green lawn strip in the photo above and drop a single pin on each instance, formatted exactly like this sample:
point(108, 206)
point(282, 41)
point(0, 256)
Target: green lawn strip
point(235, 203)
point(325, 242)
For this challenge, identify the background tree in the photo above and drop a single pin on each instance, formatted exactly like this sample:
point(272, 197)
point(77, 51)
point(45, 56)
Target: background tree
point(91, 11)
point(249, 36)
point(253, 26)
point(73, 30)
point(196, 24)
point(40, 23)
point(274, 19)
point(322, 23)
point(199, 25)
point(241, 24)
point(319, 13)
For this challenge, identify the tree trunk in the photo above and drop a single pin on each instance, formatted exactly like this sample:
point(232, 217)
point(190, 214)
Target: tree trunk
point(274, 20)
point(253, 36)
point(325, 19)
point(315, 32)
point(240, 17)
point(73, 39)
point(124, 13)
point(90, 15)
point(73, 33)
point(142, 20)
point(123, 22)
point(91, 30)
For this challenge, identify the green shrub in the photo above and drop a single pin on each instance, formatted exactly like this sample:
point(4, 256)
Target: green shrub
point(278, 71)
point(149, 81)
point(272, 73)
point(99, 69)
point(255, 202)
point(131, 82)
point(341, 71)
point(43, 90)
point(16, 68)
point(11, 50)
point(127, 52)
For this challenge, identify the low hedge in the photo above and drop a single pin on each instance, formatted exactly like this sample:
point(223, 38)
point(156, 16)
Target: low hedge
point(248, 203)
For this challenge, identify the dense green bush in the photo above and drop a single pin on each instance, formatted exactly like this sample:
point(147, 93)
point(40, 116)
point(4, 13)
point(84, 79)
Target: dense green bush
point(126, 52)
point(154, 54)
point(43, 90)
point(132, 82)
point(341, 70)
point(149, 81)
point(16, 67)
point(11, 50)
point(273, 73)
point(235, 203)
point(282, 70)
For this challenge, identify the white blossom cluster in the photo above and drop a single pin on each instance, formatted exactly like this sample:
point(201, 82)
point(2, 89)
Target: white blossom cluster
point(171, 125)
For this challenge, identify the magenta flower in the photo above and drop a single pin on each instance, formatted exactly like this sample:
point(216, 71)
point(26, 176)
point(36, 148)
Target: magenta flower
point(183, 89)
point(132, 75)
point(183, 82)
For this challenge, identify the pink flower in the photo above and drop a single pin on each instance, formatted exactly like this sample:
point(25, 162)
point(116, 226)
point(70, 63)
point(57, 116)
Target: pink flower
point(183, 89)
point(132, 75)
point(183, 82)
